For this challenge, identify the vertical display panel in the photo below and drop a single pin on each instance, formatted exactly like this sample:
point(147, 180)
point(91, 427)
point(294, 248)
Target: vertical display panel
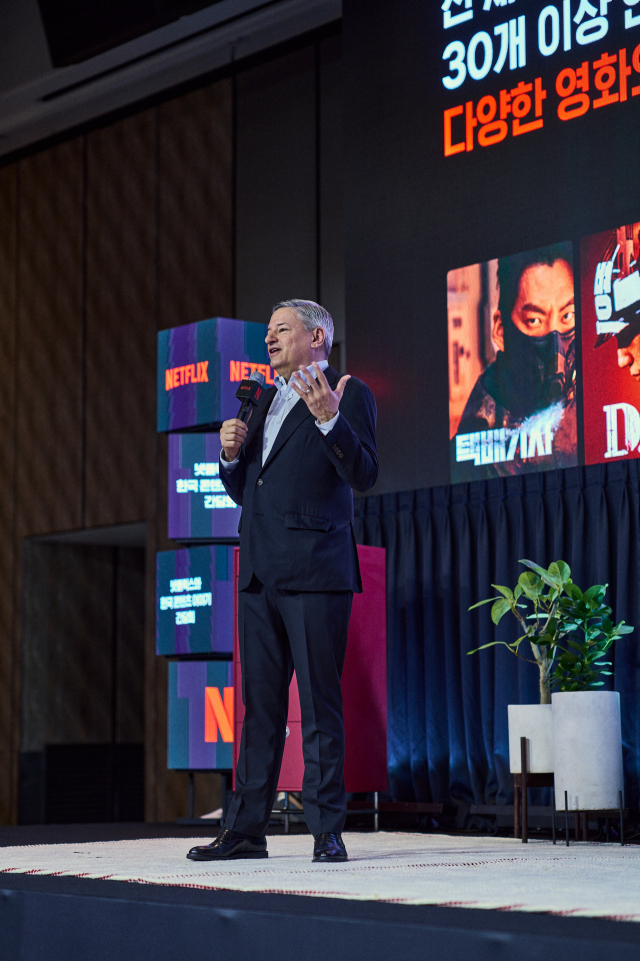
point(200, 366)
point(200, 715)
point(194, 600)
point(512, 365)
point(199, 506)
point(610, 286)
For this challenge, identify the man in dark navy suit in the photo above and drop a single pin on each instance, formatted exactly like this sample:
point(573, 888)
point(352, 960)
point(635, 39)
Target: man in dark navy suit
point(311, 440)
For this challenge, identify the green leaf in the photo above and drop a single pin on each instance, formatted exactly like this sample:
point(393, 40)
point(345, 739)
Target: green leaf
point(554, 572)
point(492, 644)
point(573, 643)
point(499, 609)
point(594, 594)
point(505, 591)
point(489, 600)
point(564, 571)
point(546, 576)
point(531, 585)
point(517, 593)
point(568, 659)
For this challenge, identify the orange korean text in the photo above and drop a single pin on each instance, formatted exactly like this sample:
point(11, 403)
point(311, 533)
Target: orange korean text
point(611, 72)
point(489, 121)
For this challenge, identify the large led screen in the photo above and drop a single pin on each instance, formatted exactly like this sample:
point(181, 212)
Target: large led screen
point(610, 285)
point(194, 600)
point(199, 507)
point(200, 366)
point(512, 365)
point(200, 715)
point(501, 127)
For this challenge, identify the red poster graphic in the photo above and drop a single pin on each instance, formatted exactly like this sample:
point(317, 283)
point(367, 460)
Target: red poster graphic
point(610, 286)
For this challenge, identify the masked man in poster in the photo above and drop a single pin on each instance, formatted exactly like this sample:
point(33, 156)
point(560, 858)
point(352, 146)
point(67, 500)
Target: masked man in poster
point(533, 375)
point(307, 445)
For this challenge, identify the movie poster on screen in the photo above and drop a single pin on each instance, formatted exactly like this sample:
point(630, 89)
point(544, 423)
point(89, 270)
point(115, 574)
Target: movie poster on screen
point(610, 286)
point(512, 365)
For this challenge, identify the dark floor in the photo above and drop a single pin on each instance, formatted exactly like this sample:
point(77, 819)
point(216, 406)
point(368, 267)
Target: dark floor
point(70, 833)
point(139, 922)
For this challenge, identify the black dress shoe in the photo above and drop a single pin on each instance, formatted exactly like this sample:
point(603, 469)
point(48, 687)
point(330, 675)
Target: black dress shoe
point(329, 847)
point(229, 845)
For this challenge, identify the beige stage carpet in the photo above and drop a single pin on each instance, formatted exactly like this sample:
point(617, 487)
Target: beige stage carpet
point(583, 880)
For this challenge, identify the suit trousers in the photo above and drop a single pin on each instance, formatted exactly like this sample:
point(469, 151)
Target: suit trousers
point(280, 631)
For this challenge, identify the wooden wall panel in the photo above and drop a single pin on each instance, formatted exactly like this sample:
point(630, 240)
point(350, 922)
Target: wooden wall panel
point(195, 281)
point(67, 645)
point(120, 321)
point(9, 651)
point(48, 364)
point(49, 368)
point(195, 197)
point(104, 240)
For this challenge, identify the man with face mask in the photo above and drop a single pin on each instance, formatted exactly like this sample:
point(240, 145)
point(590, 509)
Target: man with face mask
point(532, 381)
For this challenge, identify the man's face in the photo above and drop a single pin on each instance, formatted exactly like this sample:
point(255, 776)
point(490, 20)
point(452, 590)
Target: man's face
point(290, 346)
point(544, 302)
point(630, 357)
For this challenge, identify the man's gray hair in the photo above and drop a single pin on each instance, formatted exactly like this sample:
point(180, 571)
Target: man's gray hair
point(311, 315)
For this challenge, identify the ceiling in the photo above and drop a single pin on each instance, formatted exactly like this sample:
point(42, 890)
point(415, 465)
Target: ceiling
point(38, 100)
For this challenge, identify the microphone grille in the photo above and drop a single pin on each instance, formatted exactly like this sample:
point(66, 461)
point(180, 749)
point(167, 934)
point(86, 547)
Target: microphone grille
point(258, 376)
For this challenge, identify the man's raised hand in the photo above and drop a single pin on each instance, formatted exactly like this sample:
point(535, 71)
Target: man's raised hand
point(233, 434)
point(322, 402)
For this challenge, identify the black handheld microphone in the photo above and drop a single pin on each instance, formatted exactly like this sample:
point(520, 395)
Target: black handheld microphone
point(249, 393)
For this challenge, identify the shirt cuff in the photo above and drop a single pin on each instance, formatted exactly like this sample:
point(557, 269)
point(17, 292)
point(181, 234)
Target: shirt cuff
point(330, 424)
point(228, 465)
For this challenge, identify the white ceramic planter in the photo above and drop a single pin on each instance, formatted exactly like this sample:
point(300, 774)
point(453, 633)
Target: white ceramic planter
point(535, 722)
point(587, 749)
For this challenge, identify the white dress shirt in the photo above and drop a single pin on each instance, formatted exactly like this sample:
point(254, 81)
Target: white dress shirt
point(282, 404)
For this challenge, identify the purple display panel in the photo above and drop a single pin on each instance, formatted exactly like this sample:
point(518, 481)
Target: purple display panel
point(199, 507)
point(200, 715)
point(200, 366)
point(194, 600)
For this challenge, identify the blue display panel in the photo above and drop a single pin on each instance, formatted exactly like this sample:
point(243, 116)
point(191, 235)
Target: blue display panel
point(200, 366)
point(199, 507)
point(200, 715)
point(194, 600)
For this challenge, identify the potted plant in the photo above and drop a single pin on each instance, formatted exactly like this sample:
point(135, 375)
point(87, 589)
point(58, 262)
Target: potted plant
point(570, 632)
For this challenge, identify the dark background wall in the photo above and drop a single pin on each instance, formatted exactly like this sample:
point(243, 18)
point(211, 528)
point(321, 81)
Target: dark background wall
point(217, 201)
point(82, 712)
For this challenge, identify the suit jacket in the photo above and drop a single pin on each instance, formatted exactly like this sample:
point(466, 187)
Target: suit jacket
point(296, 529)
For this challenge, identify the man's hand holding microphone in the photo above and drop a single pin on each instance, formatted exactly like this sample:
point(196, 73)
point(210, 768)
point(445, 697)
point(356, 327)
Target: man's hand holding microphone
point(233, 432)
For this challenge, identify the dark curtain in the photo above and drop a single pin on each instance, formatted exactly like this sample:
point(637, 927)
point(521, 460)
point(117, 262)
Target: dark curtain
point(445, 547)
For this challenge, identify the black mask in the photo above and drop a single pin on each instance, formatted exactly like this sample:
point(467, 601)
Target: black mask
point(534, 372)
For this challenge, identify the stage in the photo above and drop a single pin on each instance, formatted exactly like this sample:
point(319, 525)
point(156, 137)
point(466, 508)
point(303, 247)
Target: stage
point(405, 896)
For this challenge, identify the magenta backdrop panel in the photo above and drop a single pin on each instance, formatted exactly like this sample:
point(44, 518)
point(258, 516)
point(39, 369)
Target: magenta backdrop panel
point(364, 679)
